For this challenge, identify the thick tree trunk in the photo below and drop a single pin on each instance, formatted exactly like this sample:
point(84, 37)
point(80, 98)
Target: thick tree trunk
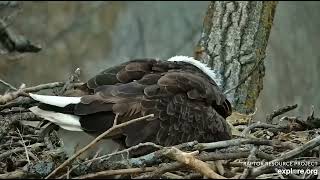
point(233, 42)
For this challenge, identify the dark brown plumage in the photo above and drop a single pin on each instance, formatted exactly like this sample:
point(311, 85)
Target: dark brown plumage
point(187, 103)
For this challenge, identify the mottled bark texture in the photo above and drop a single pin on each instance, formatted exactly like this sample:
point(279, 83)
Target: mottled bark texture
point(233, 42)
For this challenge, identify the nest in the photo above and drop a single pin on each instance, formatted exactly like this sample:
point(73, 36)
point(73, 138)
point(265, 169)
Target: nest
point(286, 149)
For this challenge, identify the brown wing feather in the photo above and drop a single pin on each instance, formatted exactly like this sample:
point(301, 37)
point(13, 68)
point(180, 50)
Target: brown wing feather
point(197, 87)
point(121, 73)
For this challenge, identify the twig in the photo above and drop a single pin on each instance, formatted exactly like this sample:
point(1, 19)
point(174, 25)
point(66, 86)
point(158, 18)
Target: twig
point(192, 162)
point(14, 110)
point(163, 169)
point(233, 142)
point(33, 156)
point(169, 175)
point(193, 176)
point(251, 157)
point(74, 77)
point(19, 102)
point(116, 172)
point(68, 173)
point(96, 140)
point(13, 42)
point(22, 92)
point(246, 131)
point(263, 155)
point(8, 153)
point(280, 112)
point(29, 116)
point(126, 150)
point(292, 119)
point(18, 174)
point(5, 4)
point(24, 145)
point(8, 84)
point(48, 86)
point(219, 166)
point(115, 121)
point(299, 150)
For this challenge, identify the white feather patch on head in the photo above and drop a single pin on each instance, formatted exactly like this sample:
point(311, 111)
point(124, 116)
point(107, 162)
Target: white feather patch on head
point(203, 67)
point(59, 101)
point(65, 121)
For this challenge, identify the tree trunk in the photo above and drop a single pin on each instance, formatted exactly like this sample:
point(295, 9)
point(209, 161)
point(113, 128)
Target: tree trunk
point(233, 43)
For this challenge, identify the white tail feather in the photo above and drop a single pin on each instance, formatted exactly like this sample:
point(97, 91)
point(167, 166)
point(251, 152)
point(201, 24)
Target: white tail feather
point(65, 121)
point(59, 101)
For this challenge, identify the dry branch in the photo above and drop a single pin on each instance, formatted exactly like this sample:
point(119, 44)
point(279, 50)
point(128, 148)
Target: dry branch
point(191, 161)
point(280, 112)
point(13, 175)
point(8, 85)
point(8, 153)
point(74, 78)
point(251, 157)
point(24, 146)
point(233, 142)
point(13, 42)
point(246, 131)
point(23, 92)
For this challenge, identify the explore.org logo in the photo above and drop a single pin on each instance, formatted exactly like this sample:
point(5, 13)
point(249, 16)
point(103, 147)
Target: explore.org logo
point(297, 171)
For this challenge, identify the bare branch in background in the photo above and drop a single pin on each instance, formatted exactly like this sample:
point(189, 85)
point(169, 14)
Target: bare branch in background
point(15, 43)
point(5, 4)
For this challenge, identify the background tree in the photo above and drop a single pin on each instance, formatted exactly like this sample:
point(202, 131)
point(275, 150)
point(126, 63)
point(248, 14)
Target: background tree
point(233, 43)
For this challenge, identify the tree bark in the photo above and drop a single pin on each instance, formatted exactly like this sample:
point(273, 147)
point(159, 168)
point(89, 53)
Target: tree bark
point(233, 43)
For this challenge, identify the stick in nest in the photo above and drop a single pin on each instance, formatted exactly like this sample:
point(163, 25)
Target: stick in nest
point(246, 131)
point(126, 151)
point(18, 174)
point(74, 78)
point(96, 140)
point(280, 112)
point(8, 153)
point(232, 142)
point(16, 43)
point(23, 101)
point(24, 145)
point(251, 157)
point(23, 92)
point(191, 161)
point(8, 84)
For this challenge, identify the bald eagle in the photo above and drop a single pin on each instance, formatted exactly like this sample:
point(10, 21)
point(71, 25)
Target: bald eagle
point(181, 92)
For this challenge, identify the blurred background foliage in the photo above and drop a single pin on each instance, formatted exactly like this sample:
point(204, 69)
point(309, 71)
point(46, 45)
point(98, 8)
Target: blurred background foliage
point(96, 35)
